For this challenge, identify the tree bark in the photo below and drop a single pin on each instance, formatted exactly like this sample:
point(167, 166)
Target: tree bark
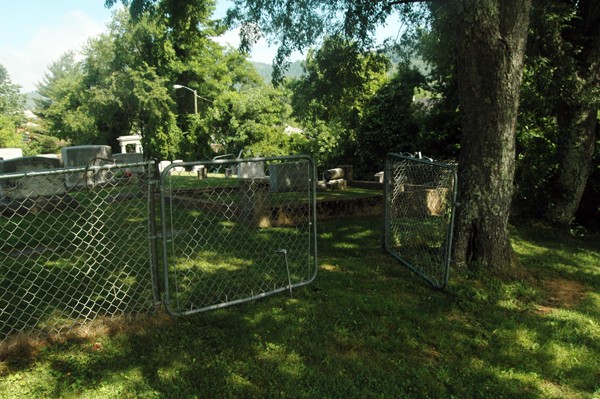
point(575, 151)
point(491, 38)
point(576, 112)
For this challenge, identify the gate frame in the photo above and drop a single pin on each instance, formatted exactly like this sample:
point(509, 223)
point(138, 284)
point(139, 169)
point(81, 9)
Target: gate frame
point(449, 231)
point(165, 298)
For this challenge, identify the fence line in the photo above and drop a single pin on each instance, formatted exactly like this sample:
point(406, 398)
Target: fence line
point(84, 243)
point(74, 247)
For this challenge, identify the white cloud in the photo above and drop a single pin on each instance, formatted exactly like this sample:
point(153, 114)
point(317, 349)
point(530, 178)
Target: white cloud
point(26, 65)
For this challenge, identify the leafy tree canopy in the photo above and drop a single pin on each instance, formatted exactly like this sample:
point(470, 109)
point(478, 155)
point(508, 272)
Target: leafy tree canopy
point(12, 102)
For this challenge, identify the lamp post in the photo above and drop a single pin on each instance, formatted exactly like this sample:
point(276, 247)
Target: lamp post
point(176, 86)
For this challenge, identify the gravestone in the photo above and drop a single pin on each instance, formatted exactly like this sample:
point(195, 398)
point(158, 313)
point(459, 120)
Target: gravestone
point(289, 176)
point(10, 153)
point(83, 155)
point(128, 158)
point(422, 201)
point(178, 169)
point(201, 171)
point(31, 186)
point(162, 165)
point(333, 174)
point(254, 208)
point(337, 184)
point(134, 140)
point(251, 170)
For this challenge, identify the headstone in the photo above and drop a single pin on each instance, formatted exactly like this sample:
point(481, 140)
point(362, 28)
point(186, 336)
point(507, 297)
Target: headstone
point(201, 170)
point(289, 176)
point(419, 201)
point(333, 174)
point(84, 155)
point(336, 184)
point(128, 158)
point(251, 170)
point(254, 208)
point(31, 186)
point(53, 156)
point(10, 153)
point(163, 164)
point(134, 140)
point(178, 169)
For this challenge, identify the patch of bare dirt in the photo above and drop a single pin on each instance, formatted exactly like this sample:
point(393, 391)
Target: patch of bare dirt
point(562, 294)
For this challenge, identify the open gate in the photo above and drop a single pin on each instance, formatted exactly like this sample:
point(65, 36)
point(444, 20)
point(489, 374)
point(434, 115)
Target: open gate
point(113, 239)
point(234, 230)
point(420, 201)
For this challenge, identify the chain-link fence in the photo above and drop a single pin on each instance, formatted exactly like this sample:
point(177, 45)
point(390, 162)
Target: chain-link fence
point(83, 243)
point(236, 230)
point(74, 246)
point(420, 197)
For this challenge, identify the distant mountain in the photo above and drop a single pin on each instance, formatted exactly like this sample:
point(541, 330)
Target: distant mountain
point(266, 70)
point(30, 99)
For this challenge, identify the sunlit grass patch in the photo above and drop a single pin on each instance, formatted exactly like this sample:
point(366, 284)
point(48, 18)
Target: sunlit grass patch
point(367, 327)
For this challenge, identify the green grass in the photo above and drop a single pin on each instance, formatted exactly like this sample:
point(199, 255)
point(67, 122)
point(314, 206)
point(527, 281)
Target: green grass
point(366, 328)
point(188, 180)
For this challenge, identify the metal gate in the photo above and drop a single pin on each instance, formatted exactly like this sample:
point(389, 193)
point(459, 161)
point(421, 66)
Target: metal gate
point(77, 244)
point(236, 230)
point(420, 200)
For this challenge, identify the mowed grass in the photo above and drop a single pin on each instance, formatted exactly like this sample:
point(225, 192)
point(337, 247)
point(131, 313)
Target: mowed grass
point(366, 328)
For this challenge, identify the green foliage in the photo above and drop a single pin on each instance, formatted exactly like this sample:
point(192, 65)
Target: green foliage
point(124, 84)
point(390, 124)
point(12, 102)
point(251, 120)
point(324, 140)
point(9, 138)
point(43, 144)
point(285, 23)
point(329, 99)
point(12, 105)
point(337, 81)
point(559, 76)
point(62, 106)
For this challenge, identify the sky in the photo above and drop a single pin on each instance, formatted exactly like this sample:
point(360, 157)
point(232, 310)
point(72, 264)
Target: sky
point(34, 33)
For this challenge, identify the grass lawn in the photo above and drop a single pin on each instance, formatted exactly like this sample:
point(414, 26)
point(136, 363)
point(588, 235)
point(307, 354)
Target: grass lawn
point(366, 328)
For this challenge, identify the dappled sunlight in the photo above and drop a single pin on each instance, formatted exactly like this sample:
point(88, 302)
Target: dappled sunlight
point(346, 245)
point(288, 362)
point(366, 327)
point(329, 267)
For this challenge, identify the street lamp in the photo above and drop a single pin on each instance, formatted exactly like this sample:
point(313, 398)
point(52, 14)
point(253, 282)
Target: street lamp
point(176, 86)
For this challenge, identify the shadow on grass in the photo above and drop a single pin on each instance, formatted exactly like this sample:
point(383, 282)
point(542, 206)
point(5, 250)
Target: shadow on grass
point(366, 328)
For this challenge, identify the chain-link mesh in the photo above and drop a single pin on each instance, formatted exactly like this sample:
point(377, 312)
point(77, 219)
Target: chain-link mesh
point(74, 246)
point(419, 208)
point(237, 230)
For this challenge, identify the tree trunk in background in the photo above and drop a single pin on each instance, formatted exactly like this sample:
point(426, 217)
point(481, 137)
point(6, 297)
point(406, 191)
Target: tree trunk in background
point(576, 114)
point(490, 50)
point(577, 129)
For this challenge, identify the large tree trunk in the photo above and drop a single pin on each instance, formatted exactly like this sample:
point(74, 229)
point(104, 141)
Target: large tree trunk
point(575, 151)
point(490, 49)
